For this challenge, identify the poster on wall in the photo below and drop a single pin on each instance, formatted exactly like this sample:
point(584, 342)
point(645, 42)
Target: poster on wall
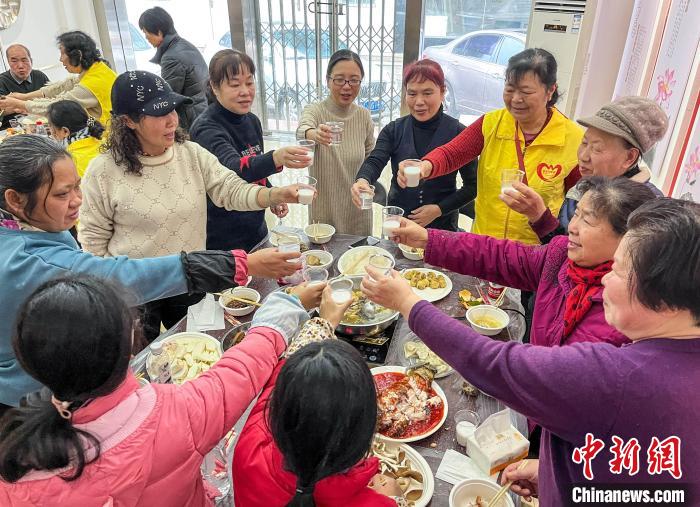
point(688, 181)
point(640, 38)
point(673, 66)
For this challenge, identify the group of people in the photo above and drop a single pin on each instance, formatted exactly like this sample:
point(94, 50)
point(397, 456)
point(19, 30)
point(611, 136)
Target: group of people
point(162, 220)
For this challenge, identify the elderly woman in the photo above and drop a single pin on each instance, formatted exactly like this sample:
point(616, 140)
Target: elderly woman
point(529, 134)
point(146, 196)
point(90, 84)
point(645, 391)
point(39, 202)
point(335, 167)
point(436, 203)
point(612, 146)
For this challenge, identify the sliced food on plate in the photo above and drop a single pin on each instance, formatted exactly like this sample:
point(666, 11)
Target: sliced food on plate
point(408, 468)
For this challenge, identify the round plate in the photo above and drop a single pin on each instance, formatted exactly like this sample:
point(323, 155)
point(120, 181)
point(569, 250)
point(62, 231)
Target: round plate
point(431, 295)
point(349, 258)
point(438, 390)
point(420, 465)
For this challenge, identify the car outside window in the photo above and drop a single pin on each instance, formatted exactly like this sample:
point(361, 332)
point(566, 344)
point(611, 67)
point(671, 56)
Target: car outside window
point(482, 47)
point(509, 47)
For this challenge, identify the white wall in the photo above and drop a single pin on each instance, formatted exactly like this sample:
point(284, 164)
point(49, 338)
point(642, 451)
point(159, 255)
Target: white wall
point(38, 25)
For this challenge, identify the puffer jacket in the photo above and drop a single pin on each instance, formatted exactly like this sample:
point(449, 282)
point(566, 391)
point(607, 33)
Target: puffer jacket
point(185, 70)
point(154, 438)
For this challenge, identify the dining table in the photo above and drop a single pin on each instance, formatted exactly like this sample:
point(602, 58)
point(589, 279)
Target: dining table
point(433, 447)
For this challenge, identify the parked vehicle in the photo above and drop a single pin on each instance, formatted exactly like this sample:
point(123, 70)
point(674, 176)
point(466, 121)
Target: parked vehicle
point(474, 66)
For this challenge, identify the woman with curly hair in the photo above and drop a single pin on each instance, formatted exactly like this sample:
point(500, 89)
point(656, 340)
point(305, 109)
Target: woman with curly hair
point(89, 84)
point(146, 196)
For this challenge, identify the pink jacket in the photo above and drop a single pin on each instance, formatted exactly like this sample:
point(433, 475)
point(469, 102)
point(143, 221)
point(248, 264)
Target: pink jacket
point(524, 267)
point(154, 438)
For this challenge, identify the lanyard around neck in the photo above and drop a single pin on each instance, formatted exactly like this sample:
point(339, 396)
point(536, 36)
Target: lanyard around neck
point(519, 153)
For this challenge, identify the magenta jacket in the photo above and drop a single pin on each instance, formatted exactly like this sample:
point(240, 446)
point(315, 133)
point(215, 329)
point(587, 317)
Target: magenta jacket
point(525, 267)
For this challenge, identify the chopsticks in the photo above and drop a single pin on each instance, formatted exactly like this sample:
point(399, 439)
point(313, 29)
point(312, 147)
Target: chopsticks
point(240, 300)
point(504, 489)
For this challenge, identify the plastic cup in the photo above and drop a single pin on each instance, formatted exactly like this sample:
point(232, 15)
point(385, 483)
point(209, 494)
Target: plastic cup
point(466, 422)
point(307, 189)
point(510, 176)
point(391, 219)
point(382, 262)
point(289, 243)
point(337, 128)
point(309, 146)
point(367, 197)
point(411, 169)
point(315, 276)
point(341, 290)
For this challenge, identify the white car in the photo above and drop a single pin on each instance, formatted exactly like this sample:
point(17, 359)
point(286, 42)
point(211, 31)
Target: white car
point(474, 66)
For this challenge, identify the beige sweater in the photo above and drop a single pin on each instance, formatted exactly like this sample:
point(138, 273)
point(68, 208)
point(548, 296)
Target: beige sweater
point(163, 211)
point(335, 167)
point(68, 89)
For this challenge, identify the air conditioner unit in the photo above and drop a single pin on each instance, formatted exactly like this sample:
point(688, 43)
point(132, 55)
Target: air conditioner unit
point(563, 27)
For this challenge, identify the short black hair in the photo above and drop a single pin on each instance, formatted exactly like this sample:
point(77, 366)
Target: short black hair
point(539, 61)
point(614, 199)
point(322, 413)
point(80, 48)
point(156, 20)
point(664, 253)
point(344, 55)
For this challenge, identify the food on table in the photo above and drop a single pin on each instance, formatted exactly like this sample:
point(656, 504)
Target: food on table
point(363, 311)
point(468, 300)
point(420, 351)
point(354, 261)
point(394, 463)
point(476, 502)
point(408, 406)
point(422, 280)
point(237, 304)
point(312, 260)
point(189, 357)
point(488, 322)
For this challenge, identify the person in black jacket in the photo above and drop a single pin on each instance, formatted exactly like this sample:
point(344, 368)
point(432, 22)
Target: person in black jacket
point(434, 203)
point(21, 78)
point(229, 130)
point(181, 63)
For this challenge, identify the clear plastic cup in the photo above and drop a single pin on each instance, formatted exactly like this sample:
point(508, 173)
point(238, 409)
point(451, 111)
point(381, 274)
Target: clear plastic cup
point(341, 290)
point(510, 176)
point(411, 169)
point(337, 128)
point(466, 422)
point(315, 276)
point(391, 219)
point(289, 243)
point(309, 146)
point(367, 197)
point(307, 189)
point(382, 262)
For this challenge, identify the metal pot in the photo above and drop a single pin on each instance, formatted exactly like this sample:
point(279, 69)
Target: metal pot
point(372, 327)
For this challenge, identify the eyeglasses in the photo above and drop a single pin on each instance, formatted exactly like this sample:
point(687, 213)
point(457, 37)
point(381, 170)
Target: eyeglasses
point(339, 81)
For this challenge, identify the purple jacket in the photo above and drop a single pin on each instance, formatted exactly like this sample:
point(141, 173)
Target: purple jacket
point(524, 267)
point(644, 389)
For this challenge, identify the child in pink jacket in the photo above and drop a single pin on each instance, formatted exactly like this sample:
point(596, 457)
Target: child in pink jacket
point(98, 439)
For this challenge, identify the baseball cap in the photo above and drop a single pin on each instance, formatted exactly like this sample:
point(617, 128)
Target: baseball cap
point(140, 92)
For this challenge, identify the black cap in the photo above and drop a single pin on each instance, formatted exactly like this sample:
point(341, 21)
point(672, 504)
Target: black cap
point(140, 92)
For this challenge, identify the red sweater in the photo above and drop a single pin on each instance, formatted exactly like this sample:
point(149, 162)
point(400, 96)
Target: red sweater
point(259, 479)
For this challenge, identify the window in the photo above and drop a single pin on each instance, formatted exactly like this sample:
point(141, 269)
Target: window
point(460, 47)
point(509, 47)
point(482, 47)
point(138, 41)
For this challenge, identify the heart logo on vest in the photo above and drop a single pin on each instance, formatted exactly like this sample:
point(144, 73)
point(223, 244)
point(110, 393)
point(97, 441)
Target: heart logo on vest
point(547, 172)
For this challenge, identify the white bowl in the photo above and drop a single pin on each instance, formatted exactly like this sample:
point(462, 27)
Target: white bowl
point(476, 312)
point(326, 258)
point(469, 489)
point(239, 292)
point(322, 233)
point(197, 335)
point(406, 251)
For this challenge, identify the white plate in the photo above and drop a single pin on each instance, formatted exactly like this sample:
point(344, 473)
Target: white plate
point(420, 465)
point(435, 386)
point(432, 295)
point(348, 258)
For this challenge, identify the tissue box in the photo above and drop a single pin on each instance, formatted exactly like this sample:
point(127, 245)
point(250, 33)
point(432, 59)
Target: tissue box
point(496, 443)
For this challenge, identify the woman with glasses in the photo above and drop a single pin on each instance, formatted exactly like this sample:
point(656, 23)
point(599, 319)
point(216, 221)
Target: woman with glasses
point(336, 163)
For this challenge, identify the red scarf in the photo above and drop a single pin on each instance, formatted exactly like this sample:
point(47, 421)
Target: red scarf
point(580, 299)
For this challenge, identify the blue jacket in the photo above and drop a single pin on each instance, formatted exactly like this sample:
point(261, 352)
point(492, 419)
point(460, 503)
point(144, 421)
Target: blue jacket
point(28, 259)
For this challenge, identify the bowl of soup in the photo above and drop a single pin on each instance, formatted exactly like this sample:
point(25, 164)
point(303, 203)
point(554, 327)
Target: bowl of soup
point(487, 320)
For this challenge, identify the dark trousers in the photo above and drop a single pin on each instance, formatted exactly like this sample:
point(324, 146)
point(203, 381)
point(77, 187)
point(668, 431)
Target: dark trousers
point(169, 311)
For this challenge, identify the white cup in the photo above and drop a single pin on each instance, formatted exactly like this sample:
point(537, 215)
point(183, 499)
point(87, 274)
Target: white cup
point(367, 197)
point(411, 169)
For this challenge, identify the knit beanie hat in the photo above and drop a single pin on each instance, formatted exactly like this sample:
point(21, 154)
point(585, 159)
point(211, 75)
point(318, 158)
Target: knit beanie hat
point(638, 120)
